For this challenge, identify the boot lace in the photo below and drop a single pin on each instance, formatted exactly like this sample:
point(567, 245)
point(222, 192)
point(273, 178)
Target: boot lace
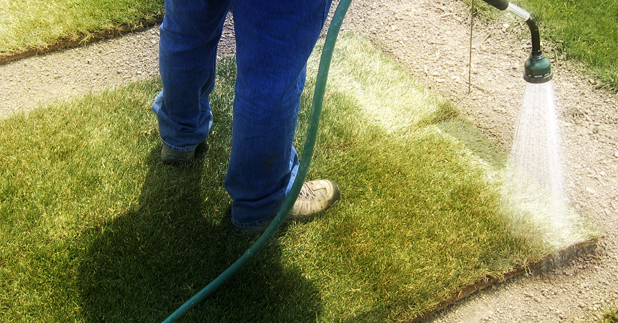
point(307, 192)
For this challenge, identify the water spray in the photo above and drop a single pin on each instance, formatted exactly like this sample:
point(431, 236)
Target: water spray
point(533, 191)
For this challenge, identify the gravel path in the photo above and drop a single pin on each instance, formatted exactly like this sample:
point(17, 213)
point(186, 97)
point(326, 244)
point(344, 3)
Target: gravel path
point(431, 39)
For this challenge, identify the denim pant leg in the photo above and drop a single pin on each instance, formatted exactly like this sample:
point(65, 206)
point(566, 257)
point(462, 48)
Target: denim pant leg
point(190, 32)
point(274, 40)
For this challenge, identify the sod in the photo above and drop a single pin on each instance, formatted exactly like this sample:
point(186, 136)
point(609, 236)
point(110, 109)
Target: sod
point(95, 228)
point(29, 27)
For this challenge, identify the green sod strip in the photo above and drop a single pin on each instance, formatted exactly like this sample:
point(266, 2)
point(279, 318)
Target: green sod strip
point(93, 227)
point(36, 25)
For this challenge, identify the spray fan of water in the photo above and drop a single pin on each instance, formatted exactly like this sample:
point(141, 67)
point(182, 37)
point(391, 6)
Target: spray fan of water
point(533, 185)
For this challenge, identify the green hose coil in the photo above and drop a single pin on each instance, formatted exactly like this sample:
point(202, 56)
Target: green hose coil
point(312, 133)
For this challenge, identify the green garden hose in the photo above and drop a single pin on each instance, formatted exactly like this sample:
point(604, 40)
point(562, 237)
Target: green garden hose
point(312, 132)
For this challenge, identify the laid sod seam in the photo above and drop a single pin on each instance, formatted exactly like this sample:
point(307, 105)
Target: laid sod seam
point(95, 228)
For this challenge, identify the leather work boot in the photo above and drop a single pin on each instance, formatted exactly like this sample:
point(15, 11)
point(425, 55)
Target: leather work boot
point(170, 156)
point(314, 198)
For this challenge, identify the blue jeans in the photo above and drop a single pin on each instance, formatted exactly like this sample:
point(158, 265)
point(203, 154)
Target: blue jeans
point(274, 39)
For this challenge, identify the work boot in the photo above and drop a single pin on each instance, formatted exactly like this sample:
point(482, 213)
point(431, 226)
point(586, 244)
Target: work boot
point(170, 156)
point(314, 198)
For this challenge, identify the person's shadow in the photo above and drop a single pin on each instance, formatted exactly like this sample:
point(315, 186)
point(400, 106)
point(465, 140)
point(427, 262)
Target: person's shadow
point(147, 261)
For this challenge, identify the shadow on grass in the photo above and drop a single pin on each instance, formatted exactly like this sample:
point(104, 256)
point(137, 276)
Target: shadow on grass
point(147, 262)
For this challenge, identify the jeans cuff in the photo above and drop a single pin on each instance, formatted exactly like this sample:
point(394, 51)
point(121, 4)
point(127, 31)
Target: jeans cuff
point(180, 149)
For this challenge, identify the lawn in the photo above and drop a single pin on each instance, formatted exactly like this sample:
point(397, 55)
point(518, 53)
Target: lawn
point(96, 228)
point(35, 26)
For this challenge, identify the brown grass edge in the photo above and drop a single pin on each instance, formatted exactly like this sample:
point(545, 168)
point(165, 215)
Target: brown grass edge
point(80, 40)
point(548, 263)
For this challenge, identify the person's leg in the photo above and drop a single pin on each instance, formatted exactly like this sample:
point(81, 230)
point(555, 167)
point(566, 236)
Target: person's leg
point(274, 40)
point(190, 32)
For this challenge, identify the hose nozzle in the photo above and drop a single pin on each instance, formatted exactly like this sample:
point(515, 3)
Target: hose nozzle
point(537, 69)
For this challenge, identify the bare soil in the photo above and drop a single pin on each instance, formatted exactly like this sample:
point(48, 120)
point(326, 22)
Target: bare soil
point(432, 40)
